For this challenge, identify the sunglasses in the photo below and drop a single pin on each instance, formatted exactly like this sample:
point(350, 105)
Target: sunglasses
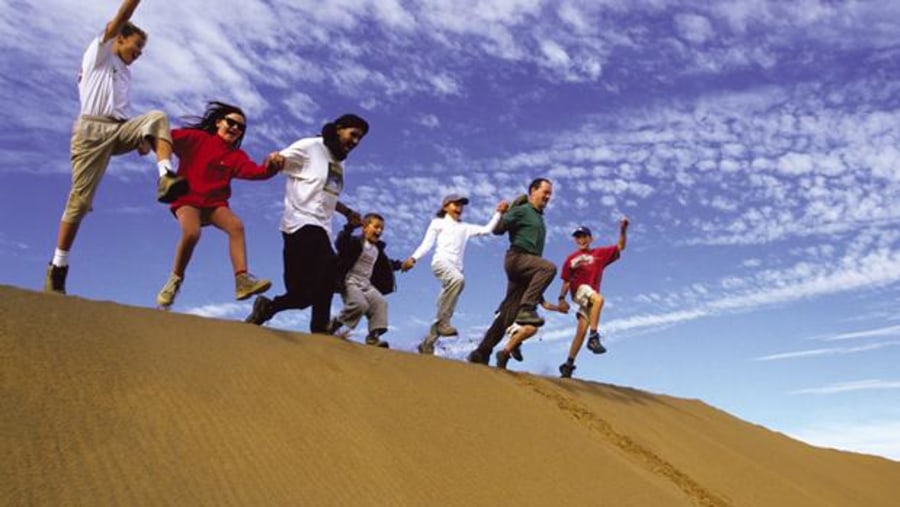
point(235, 124)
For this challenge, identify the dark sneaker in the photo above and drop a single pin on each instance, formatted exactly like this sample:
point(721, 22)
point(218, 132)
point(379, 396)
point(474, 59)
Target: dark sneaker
point(594, 345)
point(566, 369)
point(477, 357)
point(377, 342)
point(170, 187)
point(502, 358)
point(246, 285)
point(442, 329)
point(55, 281)
point(516, 353)
point(262, 311)
point(529, 318)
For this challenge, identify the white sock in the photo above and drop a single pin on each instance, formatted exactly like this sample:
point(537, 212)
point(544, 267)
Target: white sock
point(60, 258)
point(164, 166)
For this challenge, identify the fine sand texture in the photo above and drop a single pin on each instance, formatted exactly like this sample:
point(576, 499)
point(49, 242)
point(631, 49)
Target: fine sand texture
point(103, 404)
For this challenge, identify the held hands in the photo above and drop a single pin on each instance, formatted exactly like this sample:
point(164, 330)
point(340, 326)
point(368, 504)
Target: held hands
point(407, 264)
point(274, 161)
point(623, 224)
point(502, 206)
point(563, 306)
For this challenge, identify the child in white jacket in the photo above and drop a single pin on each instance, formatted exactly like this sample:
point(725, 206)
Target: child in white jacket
point(450, 235)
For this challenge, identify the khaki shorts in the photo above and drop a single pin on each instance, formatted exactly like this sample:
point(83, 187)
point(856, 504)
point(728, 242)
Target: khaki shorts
point(582, 298)
point(94, 141)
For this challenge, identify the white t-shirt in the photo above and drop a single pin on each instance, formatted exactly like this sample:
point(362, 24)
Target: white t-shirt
point(313, 182)
point(360, 274)
point(104, 81)
point(451, 237)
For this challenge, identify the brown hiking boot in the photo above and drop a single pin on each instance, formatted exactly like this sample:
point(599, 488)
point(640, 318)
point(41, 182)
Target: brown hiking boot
point(444, 329)
point(170, 187)
point(55, 281)
point(246, 285)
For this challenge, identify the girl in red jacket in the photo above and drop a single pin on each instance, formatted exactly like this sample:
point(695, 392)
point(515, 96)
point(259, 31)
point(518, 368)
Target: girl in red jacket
point(209, 157)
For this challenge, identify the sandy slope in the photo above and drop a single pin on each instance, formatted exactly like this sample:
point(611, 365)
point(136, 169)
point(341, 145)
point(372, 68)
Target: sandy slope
point(102, 404)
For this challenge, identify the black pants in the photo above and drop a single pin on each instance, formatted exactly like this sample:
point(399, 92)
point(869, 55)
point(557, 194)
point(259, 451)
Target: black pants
point(310, 268)
point(527, 277)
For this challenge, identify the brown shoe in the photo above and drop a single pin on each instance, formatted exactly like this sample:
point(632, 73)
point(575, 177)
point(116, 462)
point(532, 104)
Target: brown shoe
point(246, 285)
point(55, 281)
point(170, 187)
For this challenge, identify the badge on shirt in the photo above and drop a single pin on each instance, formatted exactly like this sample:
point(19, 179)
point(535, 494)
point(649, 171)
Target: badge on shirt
point(334, 183)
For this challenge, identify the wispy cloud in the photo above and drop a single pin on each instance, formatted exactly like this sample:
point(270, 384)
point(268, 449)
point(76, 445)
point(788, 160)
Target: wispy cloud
point(831, 351)
point(846, 387)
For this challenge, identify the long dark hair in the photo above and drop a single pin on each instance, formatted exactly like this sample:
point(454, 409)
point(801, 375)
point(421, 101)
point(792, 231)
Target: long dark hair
point(215, 111)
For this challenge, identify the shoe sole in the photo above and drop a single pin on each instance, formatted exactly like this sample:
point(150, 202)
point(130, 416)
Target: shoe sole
point(259, 289)
point(175, 190)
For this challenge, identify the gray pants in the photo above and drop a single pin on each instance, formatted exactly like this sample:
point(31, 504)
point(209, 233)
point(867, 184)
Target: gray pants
point(360, 301)
point(452, 284)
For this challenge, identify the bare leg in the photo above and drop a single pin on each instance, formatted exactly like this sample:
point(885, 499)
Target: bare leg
point(189, 220)
point(580, 331)
point(162, 148)
point(66, 236)
point(596, 307)
point(523, 333)
point(225, 219)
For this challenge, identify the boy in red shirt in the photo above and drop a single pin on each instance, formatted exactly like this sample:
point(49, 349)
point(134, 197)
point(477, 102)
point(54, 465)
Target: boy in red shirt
point(582, 273)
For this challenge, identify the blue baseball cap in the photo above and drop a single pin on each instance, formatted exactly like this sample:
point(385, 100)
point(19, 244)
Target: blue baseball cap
point(582, 230)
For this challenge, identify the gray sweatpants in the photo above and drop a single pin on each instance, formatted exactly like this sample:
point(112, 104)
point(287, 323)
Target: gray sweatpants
point(365, 301)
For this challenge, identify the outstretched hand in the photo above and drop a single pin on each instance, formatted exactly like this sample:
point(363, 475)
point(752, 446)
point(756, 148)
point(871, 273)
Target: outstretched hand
point(563, 306)
point(623, 224)
point(502, 207)
point(407, 264)
point(274, 161)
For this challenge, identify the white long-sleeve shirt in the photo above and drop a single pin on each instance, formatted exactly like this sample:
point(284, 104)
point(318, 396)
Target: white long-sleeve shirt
point(451, 238)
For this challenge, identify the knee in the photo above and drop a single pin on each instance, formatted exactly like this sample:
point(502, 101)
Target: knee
point(157, 126)
point(599, 300)
point(190, 235)
point(235, 228)
point(457, 282)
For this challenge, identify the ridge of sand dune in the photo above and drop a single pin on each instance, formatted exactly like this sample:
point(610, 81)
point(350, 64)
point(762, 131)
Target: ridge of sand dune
point(102, 404)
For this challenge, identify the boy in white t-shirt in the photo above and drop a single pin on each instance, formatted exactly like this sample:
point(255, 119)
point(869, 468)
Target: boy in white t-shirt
point(103, 129)
point(450, 235)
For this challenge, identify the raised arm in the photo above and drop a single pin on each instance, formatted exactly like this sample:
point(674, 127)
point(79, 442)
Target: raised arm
point(353, 217)
point(122, 16)
point(623, 233)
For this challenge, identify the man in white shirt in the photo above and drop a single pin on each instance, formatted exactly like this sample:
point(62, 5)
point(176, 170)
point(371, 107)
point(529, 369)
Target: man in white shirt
point(314, 174)
point(103, 130)
point(451, 235)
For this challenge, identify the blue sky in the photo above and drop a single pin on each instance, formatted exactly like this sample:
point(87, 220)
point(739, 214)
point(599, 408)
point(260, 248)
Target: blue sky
point(753, 145)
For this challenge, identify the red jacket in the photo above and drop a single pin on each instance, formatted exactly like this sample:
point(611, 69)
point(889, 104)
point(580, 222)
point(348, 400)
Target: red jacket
point(209, 163)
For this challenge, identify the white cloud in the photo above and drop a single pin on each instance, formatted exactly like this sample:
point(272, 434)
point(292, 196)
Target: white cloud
point(831, 351)
point(845, 387)
point(878, 437)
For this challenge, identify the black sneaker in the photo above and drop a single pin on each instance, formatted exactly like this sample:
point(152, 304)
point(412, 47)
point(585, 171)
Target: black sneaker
point(170, 187)
point(477, 357)
point(377, 342)
point(55, 281)
point(594, 345)
point(566, 369)
point(516, 353)
point(261, 311)
point(527, 317)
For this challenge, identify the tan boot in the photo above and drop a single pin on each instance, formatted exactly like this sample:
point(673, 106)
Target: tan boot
point(167, 294)
point(246, 285)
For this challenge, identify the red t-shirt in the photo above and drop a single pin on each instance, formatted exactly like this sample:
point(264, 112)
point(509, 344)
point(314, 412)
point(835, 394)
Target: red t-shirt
point(209, 163)
point(587, 267)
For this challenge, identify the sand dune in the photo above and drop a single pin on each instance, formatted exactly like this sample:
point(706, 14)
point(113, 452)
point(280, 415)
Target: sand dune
point(104, 404)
